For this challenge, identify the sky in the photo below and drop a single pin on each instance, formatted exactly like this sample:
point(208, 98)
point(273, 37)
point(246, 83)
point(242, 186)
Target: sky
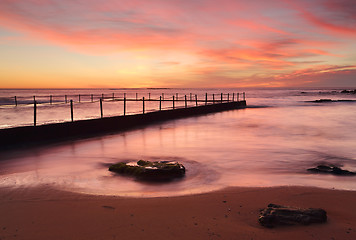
point(177, 43)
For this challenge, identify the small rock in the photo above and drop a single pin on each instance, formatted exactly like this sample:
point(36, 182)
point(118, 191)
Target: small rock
point(349, 91)
point(280, 215)
point(331, 170)
point(108, 207)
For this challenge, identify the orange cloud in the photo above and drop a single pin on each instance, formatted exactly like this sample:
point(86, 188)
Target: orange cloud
point(256, 26)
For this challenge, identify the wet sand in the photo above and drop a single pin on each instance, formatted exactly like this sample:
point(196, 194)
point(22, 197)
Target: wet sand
point(46, 213)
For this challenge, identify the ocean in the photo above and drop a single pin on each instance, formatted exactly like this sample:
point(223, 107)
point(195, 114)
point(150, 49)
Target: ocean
point(272, 142)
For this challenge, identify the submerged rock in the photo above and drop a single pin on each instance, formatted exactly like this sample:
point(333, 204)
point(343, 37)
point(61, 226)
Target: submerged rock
point(150, 171)
point(329, 100)
point(324, 100)
point(275, 215)
point(331, 170)
point(349, 91)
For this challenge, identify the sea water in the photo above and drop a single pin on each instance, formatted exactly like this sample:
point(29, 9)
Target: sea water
point(272, 142)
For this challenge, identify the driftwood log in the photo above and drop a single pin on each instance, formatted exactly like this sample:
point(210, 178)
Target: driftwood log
point(275, 215)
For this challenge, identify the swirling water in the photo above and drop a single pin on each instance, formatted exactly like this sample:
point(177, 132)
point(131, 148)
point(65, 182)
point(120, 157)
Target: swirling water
point(270, 143)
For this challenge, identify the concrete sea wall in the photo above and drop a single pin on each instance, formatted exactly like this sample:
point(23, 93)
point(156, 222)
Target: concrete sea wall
point(49, 133)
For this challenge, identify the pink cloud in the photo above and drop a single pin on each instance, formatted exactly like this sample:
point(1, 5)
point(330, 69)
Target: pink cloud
point(269, 37)
point(273, 55)
point(256, 26)
point(323, 75)
point(335, 16)
point(319, 21)
point(145, 24)
point(131, 23)
point(80, 24)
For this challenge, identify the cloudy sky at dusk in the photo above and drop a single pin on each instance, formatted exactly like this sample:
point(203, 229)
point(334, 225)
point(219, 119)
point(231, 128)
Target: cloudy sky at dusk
point(177, 43)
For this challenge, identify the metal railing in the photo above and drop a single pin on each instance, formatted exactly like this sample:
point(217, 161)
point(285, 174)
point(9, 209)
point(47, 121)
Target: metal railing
point(189, 100)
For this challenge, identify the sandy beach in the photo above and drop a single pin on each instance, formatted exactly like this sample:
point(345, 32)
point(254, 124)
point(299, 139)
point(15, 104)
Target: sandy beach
point(232, 213)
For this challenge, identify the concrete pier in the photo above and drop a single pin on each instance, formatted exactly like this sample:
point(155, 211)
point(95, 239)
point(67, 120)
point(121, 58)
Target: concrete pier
point(49, 133)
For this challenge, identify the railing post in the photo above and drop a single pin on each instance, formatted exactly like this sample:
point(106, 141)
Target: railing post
point(190, 97)
point(228, 97)
point(244, 96)
point(213, 98)
point(160, 103)
point(196, 100)
point(238, 95)
point(34, 112)
point(79, 97)
point(101, 107)
point(233, 96)
point(50, 99)
point(206, 98)
point(15, 101)
point(34, 98)
point(102, 96)
point(124, 95)
point(113, 96)
point(92, 98)
point(65, 98)
point(136, 96)
point(71, 110)
point(185, 100)
point(143, 105)
point(124, 106)
point(149, 96)
point(221, 97)
point(173, 101)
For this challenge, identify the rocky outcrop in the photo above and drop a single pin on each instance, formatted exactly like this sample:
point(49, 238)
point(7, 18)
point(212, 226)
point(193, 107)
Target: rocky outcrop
point(150, 171)
point(330, 100)
point(330, 169)
point(349, 91)
point(275, 215)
